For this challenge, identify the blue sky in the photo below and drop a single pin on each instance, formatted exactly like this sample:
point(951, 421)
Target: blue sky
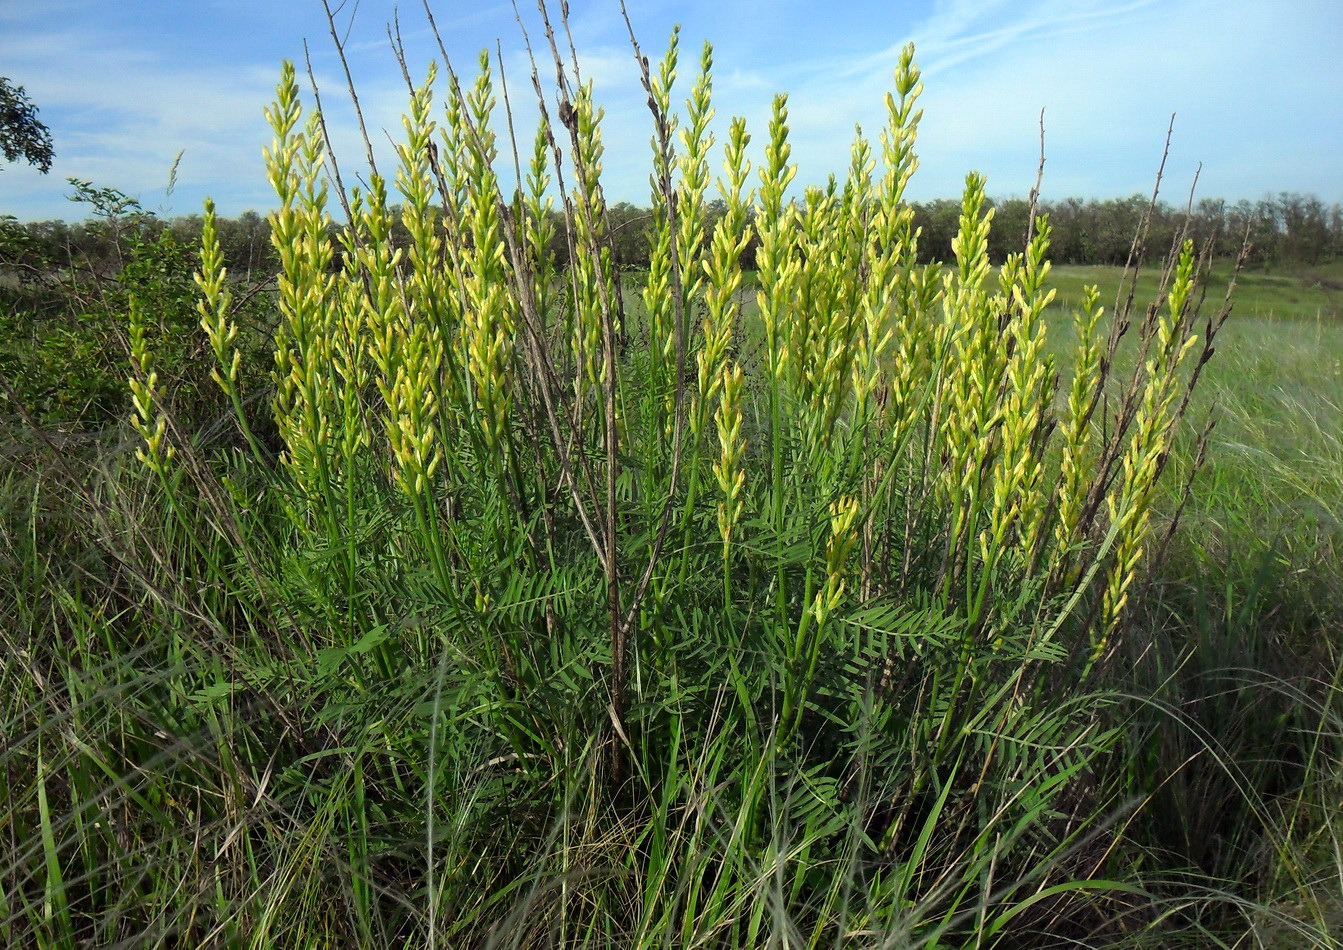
point(125, 85)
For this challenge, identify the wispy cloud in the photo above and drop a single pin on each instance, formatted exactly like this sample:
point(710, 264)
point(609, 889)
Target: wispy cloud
point(121, 116)
point(1243, 78)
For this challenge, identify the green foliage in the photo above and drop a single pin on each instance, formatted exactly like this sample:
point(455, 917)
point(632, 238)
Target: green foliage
point(69, 372)
point(22, 134)
point(66, 373)
point(63, 342)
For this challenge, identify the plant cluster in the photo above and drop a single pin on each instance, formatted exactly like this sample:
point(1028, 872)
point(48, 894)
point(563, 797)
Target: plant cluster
point(544, 613)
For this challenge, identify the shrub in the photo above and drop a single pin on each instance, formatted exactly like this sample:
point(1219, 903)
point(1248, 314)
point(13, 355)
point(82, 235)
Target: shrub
point(63, 321)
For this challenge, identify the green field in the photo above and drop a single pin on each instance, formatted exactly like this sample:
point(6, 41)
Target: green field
point(1296, 291)
point(1273, 475)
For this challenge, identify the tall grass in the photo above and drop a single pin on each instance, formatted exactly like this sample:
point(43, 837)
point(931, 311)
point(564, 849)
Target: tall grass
point(539, 613)
point(1241, 635)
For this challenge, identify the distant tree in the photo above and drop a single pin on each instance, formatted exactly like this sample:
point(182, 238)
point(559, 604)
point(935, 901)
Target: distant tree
point(938, 220)
point(1011, 220)
point(1305, 224)
point(22, 134)
point(629, 234)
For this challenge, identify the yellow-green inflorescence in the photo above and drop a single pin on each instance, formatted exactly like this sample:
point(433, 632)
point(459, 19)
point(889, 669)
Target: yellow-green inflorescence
point(905, 411)
point(1130, 504)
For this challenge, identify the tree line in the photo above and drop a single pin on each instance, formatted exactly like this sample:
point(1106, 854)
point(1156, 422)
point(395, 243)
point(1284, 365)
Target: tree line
point(1288, 228)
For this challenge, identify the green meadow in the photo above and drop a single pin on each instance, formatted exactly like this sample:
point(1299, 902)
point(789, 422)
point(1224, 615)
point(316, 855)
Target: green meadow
point(1287, 290)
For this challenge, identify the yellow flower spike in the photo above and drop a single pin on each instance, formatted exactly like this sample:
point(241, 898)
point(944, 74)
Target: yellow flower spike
point(777, 269)
point(729, 467)
point(147, 417)
point(300, 230)
point(1152, 431)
